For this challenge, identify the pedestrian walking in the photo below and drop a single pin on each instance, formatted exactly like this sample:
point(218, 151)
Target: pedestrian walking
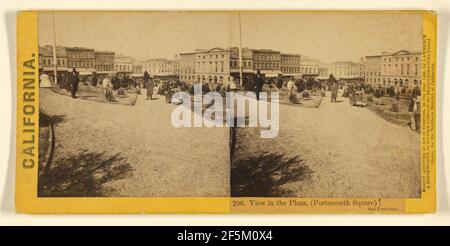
point(74, 81)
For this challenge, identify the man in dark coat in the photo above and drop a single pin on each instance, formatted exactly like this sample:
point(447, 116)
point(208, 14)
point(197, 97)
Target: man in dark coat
point(334, 87)
point(94, 80)
point(115, 83)
point(280, 83)
point(334, 91)
point(259, 82)
point(74, 81)
point(148, 83)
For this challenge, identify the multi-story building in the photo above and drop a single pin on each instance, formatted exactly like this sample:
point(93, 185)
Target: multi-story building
point(402, 68)
point(291, 65)
point(212, 66)
point(309, 67)
point(268, 62)
point(373, 71)
point(323, 73)
point(103, 62)
point(123, 64)
point(247, 62)
point(160, 68)
point(46, 59)
point(186, 67)
point(346, 71)
point(138, 70)
point(362, 68)
point(82, 59)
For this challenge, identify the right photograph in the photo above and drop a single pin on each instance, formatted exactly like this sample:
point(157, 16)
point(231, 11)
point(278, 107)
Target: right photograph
point(349, 87)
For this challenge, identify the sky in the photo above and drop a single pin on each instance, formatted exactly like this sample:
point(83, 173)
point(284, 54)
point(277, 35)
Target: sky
point(327, 36)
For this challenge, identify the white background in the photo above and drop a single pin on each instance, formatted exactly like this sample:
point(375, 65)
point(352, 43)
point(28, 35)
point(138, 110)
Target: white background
point(8, 12)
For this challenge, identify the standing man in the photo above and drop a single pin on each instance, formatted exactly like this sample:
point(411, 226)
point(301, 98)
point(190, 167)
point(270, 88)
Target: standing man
point(106, 84)
point(334, 91)
point(116, 84)
point(291, 90)
point(259, 82)
point(74, 81)
point(148, 83)
point(94, 80)
point(333, 87)
point(280, 83)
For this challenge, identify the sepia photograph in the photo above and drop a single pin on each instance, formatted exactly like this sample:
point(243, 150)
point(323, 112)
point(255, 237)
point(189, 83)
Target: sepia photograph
point(230, 104)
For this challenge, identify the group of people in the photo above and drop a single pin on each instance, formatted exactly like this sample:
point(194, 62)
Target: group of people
point(71, 81)
point(357, 97)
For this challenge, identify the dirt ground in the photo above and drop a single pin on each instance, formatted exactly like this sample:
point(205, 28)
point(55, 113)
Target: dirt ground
point(105, 149)
point(335, 150)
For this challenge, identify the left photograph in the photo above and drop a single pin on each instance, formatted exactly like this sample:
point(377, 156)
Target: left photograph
point(105, 105)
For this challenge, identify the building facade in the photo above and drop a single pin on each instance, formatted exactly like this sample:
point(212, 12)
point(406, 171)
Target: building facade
point(401, 69)
point(123, 64)
point(138, 70)
point(160, 68)
point(268, 62)
point(373, 71)
point(291, 65)
point(309, 68)
point(323, 73)
point(247, 62)
point(362, 68)
point(82, 59)
point(46, 59)
point(103, 62)
point(212, 66)
point(347, 71)
point(186, 67)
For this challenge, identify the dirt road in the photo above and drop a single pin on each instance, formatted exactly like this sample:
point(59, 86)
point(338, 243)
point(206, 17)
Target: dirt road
point(115, 150)
point(335, 150)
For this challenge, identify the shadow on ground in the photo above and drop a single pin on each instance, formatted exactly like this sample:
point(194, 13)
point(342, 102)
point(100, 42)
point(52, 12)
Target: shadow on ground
point(44, 119)
point(83, 175)
point(265, 175)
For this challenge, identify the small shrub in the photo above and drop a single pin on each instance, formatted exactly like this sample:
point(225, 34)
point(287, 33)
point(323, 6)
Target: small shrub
point(369, 98)
point(305, 94)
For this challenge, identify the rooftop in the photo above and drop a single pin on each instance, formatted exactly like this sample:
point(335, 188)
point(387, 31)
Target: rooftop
point(48, 51)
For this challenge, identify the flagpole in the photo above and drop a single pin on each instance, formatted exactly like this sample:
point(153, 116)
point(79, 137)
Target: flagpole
point(54, 52)
point(240, 50)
